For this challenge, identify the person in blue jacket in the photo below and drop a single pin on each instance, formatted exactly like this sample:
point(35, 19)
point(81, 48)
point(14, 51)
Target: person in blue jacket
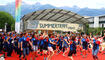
point(20, 45)
point(65, 44)
point(84, 45)
point(50, 46)
point(95, 49)
point(6, 42)
point(35, 45)
point(25, 45)
point(45, 47)
point(72, 47)
point(10, 45)
point(41, 44)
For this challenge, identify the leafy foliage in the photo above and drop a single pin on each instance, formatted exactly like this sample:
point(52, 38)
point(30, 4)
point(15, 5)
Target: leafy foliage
point(6, 18)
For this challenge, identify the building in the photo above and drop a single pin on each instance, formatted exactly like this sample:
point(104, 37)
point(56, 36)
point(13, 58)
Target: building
point(52, 20)
point(96, 21)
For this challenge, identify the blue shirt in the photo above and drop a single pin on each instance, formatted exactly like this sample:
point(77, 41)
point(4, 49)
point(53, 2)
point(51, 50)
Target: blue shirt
point(6, 37)
point(94, 40)
point(24, 38)
point(64, 40)
point(83, 40)
point(13, 34)
point(41, 42)
point(53, 41)
point(28, 36)
point(95, 45)
point(24, 41)
point(17, 38)
point(73, 46)
point(20, 40)
point(49, 44)
point(33, 39)
point(10, 40)
point(45, 40)
point(60, 41)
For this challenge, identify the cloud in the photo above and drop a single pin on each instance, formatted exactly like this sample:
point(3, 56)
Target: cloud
point(4, 2)
point(70, 3)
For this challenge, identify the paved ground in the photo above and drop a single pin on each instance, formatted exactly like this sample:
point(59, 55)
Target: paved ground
point(59, 57)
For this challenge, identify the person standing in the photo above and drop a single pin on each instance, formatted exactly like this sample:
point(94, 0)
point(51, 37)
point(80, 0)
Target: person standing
point(19, 45)
point(84, 45)
point(72, 47)
point(50, 46)
point(1, 42)
point(65, 45)
point(25, 45)
point(45, 47)
point(35, 46)
point(10, 45)
point(95, 49)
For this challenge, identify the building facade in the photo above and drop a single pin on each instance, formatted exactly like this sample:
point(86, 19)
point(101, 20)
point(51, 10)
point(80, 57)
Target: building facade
point(96, 21)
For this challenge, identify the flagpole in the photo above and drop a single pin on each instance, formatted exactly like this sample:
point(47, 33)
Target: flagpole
point(17, 15)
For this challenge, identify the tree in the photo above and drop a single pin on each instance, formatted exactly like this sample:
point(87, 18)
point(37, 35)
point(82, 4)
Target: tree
point(6, 18)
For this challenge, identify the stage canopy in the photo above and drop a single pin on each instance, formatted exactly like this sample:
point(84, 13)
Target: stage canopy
point(57, 15)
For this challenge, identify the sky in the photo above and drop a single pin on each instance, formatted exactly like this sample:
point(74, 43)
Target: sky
point(59, 3)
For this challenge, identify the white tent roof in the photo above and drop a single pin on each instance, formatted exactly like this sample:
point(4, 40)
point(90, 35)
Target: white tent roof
point(58, 15)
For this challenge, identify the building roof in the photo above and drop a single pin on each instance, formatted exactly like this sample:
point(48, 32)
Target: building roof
point(58, 15)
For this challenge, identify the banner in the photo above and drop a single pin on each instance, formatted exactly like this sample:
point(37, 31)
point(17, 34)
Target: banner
point(50, 25)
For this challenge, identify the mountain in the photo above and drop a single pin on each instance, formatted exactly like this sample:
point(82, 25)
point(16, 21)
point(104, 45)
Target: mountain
point(74, 8)
point(91, 12)
point(10, 8)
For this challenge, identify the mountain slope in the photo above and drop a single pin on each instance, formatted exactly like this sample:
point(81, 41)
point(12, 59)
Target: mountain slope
point(31, 8)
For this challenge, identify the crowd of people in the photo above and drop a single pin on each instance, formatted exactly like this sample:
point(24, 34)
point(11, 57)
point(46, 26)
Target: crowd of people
point(49, 44)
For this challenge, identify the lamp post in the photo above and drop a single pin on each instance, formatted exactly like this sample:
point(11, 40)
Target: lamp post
point(5, 26)
point(102, 29)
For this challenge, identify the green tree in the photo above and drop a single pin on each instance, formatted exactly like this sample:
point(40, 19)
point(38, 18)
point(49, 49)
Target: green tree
point(6, 18)
point(94, 31)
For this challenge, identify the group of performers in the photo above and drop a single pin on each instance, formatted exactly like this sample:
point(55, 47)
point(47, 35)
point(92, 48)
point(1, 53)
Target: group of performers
point(49, 44)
